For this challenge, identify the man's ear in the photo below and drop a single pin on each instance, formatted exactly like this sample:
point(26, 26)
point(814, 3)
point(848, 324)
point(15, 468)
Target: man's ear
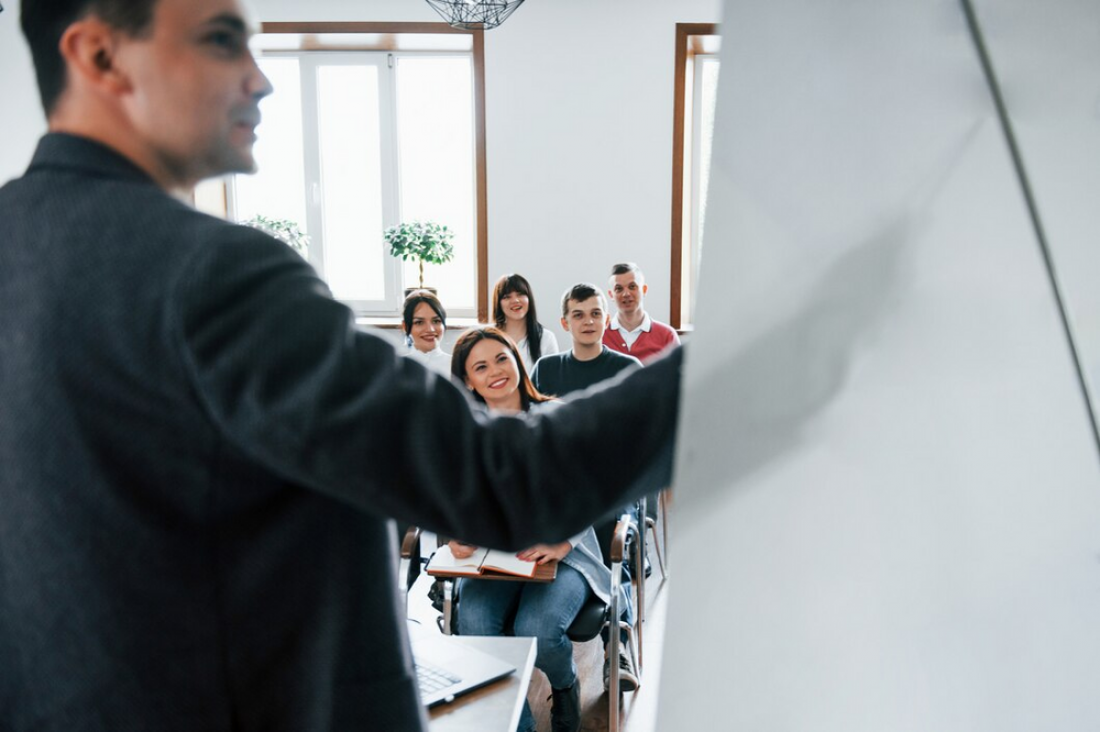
point(564, 324)
point(90, 47)
point(645, 289)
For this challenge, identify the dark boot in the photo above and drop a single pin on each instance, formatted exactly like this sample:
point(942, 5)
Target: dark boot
point(565, 714)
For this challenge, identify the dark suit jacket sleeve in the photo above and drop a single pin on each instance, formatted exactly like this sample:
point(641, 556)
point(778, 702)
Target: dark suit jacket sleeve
point(287, 379)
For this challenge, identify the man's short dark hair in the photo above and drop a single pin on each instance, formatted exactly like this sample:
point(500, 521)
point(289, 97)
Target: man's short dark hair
point(627, 268)
point(580, 293)
point(45, 21)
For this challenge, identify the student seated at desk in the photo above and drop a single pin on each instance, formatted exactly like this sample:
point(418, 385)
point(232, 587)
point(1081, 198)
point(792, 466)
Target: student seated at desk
point(488, 363)
point(425, 322)
point(584, 317)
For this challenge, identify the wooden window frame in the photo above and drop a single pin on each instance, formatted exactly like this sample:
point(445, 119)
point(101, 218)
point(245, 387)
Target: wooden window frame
point(478, 52)
point(684, 52)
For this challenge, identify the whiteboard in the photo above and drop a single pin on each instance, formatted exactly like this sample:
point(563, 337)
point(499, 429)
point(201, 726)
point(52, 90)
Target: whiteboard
point(1047, 61)
point(887, 508)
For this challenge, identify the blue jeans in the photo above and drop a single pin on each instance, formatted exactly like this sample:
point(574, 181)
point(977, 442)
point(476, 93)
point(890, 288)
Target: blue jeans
point(542, 610)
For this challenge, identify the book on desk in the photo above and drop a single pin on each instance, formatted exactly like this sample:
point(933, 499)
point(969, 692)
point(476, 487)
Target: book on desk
point(489, 564)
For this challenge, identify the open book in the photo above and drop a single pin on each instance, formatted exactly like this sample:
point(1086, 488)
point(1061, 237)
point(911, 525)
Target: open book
point(481, 561)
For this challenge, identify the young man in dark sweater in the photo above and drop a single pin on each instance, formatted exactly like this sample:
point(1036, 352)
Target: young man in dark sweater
point(588, 362)
point(584, 316)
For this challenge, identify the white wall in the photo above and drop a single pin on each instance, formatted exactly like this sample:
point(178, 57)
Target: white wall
point(22, 121)
point(579, 100)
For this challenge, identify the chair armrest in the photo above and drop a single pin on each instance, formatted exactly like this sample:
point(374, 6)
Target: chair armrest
point(408, 568)
point(618, 540)
point(410, 545)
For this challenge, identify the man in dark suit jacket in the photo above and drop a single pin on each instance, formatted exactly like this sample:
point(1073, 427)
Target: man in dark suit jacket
point(200, 457)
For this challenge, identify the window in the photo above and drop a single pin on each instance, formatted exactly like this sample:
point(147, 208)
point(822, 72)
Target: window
point(696, 88)
point(369, 129)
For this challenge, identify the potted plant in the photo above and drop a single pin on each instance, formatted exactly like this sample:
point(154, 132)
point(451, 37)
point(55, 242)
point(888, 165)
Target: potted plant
point(284, 230)
point(421, 241)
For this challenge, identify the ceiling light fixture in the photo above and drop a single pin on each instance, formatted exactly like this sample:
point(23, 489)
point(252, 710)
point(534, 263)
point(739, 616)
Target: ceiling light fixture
point(475, 14)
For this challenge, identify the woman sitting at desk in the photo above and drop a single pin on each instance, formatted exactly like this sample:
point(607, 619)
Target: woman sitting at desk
point(425, 322)
point(488, 362)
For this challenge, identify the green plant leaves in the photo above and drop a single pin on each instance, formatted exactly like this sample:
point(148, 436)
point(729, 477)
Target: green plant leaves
point(422, 241)
point(284, 230)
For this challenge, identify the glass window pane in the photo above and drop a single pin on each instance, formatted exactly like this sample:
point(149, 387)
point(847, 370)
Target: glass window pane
point(276, 190)
point(707, 68)
point(436, 159)
point(351, 180)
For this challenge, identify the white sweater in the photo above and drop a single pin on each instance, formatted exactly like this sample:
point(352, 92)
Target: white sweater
point(436, 359)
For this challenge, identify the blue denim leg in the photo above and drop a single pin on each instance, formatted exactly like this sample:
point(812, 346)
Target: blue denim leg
point(540, 610)
point(486, 607)
point(545, 612)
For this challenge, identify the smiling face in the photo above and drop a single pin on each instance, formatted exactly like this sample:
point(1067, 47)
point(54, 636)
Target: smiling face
point(491, 371)
point(427, 328)
point(193, 90)
point(515, 306)
point(628, 293)
point(585, 321)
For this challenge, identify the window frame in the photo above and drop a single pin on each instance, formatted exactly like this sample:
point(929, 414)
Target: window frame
point(690, 38)
point(308, 64)
point(390, 37)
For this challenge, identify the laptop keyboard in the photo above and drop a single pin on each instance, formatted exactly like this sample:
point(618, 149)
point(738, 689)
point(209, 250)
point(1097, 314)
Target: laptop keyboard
point(433, 678)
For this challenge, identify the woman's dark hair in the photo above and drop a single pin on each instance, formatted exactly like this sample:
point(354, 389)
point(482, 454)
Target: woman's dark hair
point(528, 394)
point(413, 299)
point(45, 21)
point(504, 287)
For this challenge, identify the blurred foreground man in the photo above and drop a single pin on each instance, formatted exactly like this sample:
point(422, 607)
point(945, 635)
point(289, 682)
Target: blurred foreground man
point(200, 456)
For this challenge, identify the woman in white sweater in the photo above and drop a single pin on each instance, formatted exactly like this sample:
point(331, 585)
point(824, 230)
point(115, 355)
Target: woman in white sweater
point(425, 322)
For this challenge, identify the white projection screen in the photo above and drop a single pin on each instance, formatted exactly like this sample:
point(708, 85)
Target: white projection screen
point(887, 512)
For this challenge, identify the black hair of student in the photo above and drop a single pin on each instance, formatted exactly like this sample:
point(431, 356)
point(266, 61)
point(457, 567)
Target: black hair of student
point(45, 21)
point(413, 299)
point(626, 268)
point(505, 286)
point(528, 394)
point(581, 292)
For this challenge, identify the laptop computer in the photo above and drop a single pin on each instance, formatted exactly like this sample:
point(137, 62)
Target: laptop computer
point(446, 668)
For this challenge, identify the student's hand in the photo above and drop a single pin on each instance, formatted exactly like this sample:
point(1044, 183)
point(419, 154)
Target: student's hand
point(460, 550)
point(543, 553)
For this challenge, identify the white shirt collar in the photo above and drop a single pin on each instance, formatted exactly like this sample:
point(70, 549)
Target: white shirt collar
point(647, 324)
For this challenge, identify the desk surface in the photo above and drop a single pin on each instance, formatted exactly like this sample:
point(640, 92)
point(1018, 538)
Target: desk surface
point(497, 706)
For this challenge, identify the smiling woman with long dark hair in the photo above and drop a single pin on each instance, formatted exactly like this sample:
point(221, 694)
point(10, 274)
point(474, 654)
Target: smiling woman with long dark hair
point(514, 313)
point(488, 363)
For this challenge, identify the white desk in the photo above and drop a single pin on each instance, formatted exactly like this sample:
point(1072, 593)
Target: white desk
point(497, 706)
